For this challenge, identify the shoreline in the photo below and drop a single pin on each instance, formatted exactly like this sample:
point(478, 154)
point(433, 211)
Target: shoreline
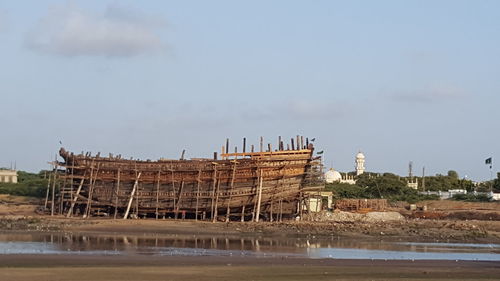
point(410, 230)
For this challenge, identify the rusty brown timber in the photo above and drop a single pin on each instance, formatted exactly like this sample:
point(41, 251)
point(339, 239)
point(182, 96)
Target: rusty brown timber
point(242, 186)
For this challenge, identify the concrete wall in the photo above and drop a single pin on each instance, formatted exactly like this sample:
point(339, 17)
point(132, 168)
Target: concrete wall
point(9, 176)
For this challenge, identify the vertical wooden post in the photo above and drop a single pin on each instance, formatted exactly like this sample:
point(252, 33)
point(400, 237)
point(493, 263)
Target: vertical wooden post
point(259, 199)
point(48, 192)
point(117, 191)
point(228, 210)
point(293, 146)
point(261, 144)
point(214, 184)
point(62, 191)
point(53, 190)
point(227, 146)
point(179, 199)
point(73, 202)
point(244, 145)
point(173, 190)
point(216, 201)
point(243, 213)
point(281, 210)
point(91, 192)
point(72, 180)
point(136, 183)
point(158, 193)
point(197, 194)
point(271, 211)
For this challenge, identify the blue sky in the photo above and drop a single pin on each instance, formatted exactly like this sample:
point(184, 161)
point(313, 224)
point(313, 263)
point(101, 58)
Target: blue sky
point(399, 80)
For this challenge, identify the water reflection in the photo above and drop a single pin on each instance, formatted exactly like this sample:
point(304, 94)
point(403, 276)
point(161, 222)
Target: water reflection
point(313, 247)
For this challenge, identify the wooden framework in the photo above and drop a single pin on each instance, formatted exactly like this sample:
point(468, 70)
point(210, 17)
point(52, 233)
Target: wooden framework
point(240, 186)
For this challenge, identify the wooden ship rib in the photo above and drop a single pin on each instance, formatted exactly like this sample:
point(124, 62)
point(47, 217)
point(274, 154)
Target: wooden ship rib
point(267, 184)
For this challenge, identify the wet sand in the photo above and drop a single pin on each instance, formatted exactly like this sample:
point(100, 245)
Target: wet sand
point(144, 267)
point(80, 267)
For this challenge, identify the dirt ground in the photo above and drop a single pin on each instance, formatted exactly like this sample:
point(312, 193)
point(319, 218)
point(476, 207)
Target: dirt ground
point(18, 214)
point(60, 267)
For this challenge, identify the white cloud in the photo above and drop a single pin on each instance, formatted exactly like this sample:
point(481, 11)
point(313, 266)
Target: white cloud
point(117, 32)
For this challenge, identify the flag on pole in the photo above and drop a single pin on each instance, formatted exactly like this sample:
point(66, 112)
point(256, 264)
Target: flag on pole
point(488, 161)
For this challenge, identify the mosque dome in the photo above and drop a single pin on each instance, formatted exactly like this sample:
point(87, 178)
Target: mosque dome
point(360, 155)
point(332, 176)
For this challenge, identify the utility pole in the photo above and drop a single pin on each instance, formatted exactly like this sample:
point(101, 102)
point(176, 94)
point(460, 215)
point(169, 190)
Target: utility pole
point(423, 178)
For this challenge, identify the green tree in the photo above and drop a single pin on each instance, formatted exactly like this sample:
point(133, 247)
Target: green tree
point(452, 174)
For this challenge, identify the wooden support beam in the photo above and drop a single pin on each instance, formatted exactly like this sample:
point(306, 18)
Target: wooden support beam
point(173, 190)
point(197, 194)
point(179, 199)
point(62, 192)
point(91, 191)
point(214, 185)
point(136, 183)
point(259, 199)
point(228, 211)
point(48, 192)
point(53, 190)
point(73, 202)
point(216, 201)
point(157, 194)
point(117, 191)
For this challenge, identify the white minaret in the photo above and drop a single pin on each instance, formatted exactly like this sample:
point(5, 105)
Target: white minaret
point(360, 163)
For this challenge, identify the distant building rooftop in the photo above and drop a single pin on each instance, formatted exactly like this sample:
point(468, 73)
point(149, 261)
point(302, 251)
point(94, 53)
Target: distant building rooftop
point(7, 175)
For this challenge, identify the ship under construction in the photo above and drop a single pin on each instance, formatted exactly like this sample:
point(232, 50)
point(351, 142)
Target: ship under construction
point(262, 183)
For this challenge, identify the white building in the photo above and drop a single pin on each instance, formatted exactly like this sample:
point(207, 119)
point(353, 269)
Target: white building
point(8, 176)
point(360, 163)
point(332, 176)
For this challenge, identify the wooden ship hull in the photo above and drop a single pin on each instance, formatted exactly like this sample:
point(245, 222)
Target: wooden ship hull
point(247, 185)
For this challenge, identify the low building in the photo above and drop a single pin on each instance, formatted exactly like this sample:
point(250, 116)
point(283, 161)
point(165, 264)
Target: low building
point(9, 176)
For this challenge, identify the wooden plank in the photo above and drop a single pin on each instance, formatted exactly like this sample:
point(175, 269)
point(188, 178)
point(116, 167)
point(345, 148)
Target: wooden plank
point(132, 196)
point(53, 190)
point(48, 192)
point(268, 153)
point(179, 199)
point(73, 202)
point(259, 199)
point(157, 194)
point(117, 191)
point(230, 191)
point(197, 195)
point(91, 191)
point(216, 201)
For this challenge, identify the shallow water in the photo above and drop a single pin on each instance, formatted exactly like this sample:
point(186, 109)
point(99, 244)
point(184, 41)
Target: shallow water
point(193, 245)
